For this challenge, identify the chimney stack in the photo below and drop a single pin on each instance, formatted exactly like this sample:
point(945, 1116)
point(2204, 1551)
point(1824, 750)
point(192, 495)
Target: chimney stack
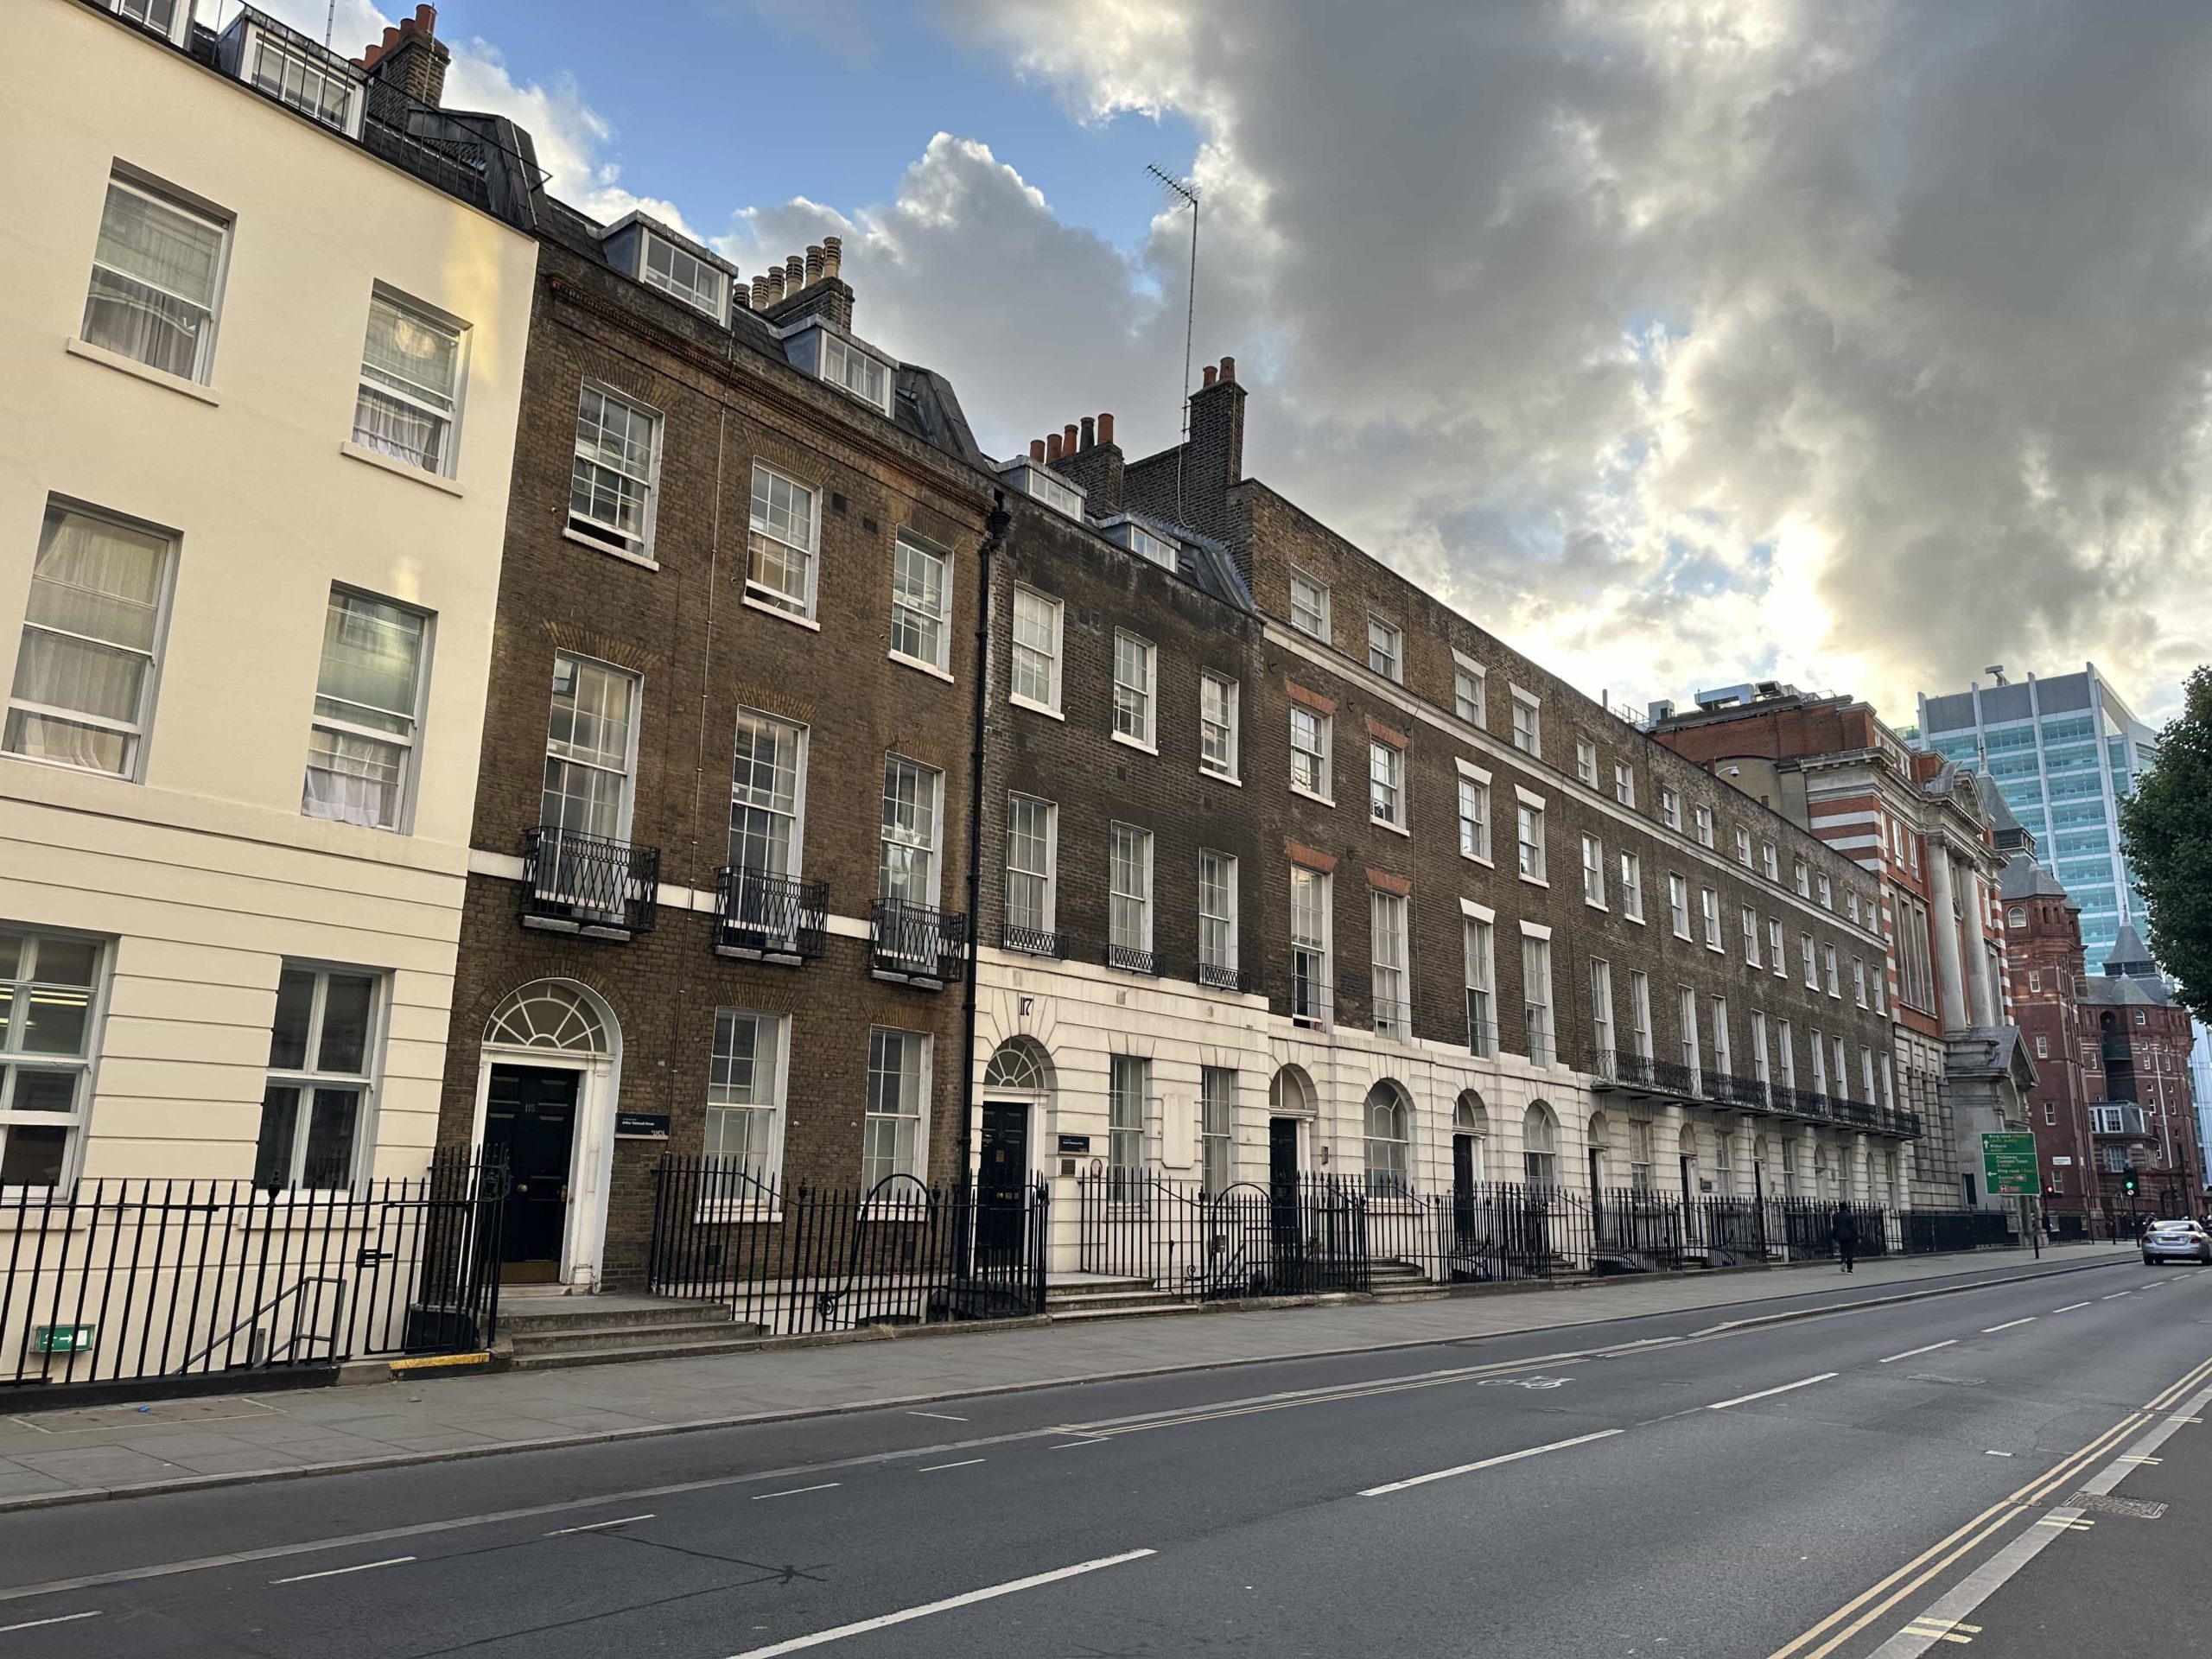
point(1087, 459)
point(410, 58)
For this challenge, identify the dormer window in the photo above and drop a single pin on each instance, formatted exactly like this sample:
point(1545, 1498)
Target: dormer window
point(172, 19)
point(290, 68)
point(683, 276)
point(1141, 542)
point(845, 366)
point(1041, 485)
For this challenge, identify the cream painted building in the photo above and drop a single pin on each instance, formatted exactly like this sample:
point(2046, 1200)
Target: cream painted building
point(260, 397)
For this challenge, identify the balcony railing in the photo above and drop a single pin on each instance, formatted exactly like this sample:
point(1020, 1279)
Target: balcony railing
point(1130, 960)
point(1747, 1093)
point(1220, 976)
point(587, 884)
point(1673, 1078)
point(919, 943)
point(1032, 941)
point(1628, 1069)
point(772, 917)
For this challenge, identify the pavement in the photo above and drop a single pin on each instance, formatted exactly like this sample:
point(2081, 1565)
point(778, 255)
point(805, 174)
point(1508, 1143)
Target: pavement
point(71, 1455)
point(1706, 1480)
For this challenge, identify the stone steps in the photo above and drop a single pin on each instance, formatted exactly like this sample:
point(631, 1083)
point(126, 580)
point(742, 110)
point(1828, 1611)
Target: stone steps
point(543, 1333)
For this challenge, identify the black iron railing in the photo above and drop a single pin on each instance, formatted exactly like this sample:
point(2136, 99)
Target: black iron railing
point(801, 1259)
point(589, 884)
point(1131, 960)
point(757, 914)
point(1674, 1077)
point(144, 1286)
point(1220, 976)
point(1747, 1093)
point(1287, 1237)
point(1631, 1070)
point(917, 942)
point(1034, 942)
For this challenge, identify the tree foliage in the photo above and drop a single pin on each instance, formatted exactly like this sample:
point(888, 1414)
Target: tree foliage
point(2165, 829)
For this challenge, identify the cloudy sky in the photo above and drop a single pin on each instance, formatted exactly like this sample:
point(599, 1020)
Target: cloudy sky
point(1860, 343)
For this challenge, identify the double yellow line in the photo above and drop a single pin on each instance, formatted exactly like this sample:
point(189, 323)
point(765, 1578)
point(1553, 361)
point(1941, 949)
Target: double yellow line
point(1870, 1605)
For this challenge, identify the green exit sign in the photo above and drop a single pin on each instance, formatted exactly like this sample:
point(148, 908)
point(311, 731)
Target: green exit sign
point(63, 1338)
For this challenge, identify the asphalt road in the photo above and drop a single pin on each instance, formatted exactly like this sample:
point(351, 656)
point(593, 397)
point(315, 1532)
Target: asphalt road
point(1653, 1487)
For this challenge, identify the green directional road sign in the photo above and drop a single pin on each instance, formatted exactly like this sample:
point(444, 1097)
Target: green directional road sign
point(2009, 1161)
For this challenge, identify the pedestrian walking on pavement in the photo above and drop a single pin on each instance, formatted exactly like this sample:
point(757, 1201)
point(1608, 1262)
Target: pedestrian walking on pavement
point(1844, 1230)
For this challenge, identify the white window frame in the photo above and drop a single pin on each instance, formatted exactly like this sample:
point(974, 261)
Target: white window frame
point(1470, 689)
point(1047, 875)
point(763, 1164)
point(1593, 872)
point(1832, 971)
point(1762, 1060)
point(1137, 705)
point(1708, 904)
point(1529, 723)
point(1678, 904)
point(766, 595)
point(309, 1079)
point(840, 357)
point(592, 459)
point(1218, 885)
point(909, 610)
point(135, 731)
point(1472, 809)
point(716, 305)
point(1723, 1060)
point(1693, 1049)
point(1809, 962)
point(1325, 736)
point(424, 400)
point(1670, 808)
point(1386, 785)
point(1777, 953)
point(1479, 948)
point(1539, 1028)
point(1601, 1015)
point(1824, 890)
point(1315, 950)
point(1217, 731)
point(1585, 760)
point(629, 769)
point(1801, 878)
point(1624, 784)
point(1702, 825)
point(1528, 838)
point(1128, 1144)
point(408, 741)
point(133, 184)
point(1390, 963)
point(1632, 887)
point(875, 1167)
point(1743, 847)
point(1748, 918)
point(1639, 1012)
point(1386, 641)
point(1769, 862)
point(1786, 1045)
point(1055, 614)
point(80, 1064)
point(1137, 863)
point(891, 834)
point(744, 799)
point(1319, 612)
point(1858, 980)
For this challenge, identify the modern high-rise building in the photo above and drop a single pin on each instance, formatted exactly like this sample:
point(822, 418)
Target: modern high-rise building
point(2064, 751)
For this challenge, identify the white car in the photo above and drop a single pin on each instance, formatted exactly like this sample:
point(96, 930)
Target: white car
point(2176, 1240)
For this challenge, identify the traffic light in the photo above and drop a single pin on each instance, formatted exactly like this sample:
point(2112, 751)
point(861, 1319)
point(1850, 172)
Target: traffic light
point(2127, 1183)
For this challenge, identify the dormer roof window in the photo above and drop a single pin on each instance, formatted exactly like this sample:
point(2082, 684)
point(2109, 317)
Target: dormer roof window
point(172, 19)
point(1041, 485)
point(1145, 543)
point(294, 70)
point(679, 268)
point(817, 348)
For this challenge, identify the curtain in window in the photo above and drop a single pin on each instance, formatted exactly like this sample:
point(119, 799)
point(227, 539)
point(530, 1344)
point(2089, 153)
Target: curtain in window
point(153, 283)
point(417, 359)
point(88, 641)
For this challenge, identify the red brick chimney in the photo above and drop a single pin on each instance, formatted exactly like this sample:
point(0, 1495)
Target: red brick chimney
point(411, 58)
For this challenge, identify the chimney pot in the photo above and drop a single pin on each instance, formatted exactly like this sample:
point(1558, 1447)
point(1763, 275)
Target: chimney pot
point(1228, 369)
point(775, 279)
point(391, 40)
point(1089, 432)
point(1051, 447)
point(740, 295)
point(1105, 428)
point(426, 19)
point(833, 248)
point(760, 292)
point(794, 274)
point(1068, 433)
point(1037, 451)
point(1208, 379)
point(813, 265)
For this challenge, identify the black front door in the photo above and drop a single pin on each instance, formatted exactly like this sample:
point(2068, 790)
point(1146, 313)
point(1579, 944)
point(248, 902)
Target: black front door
point(1287, 1236)
point(1003, 1188)
point(530, 1118)
point(1462, 1185)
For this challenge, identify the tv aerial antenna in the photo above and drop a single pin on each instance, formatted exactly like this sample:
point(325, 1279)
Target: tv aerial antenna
point(1188, 192)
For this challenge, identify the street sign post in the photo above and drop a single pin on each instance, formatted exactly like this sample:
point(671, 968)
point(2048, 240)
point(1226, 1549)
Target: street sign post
point(2009, 1162)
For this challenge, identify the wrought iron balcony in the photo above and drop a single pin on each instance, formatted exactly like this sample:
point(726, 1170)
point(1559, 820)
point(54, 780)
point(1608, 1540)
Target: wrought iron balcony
point(1627, 1069)
point(589, 884)
point(915, 943)
point(1747, 1093)
point(1218, 976)
point(1672, 1077)
point(1130, 960)
point(1034, 942)
point(771, 918)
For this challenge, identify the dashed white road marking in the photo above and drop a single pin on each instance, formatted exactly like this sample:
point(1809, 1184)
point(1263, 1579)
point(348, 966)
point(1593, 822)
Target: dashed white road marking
point(1765, 1394)
point(793, 1491)
point(2115, 1296)
point(340, 1572)
point(930, 1469)
point(942, 1416)
point(1992, 1329)
point(596, 1526)
point(923, 1611)
point(33, 1624)
point(1910, 1353)
point(2069, 1308)
point(1490, 1463)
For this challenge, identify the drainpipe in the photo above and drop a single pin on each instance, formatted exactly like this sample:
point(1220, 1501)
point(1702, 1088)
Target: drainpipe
point(994, 529)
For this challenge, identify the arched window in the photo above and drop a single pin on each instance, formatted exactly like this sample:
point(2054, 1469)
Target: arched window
point(1539, 1145)
point(2015, 917)
point(1389, 1134)
point(1469, 1141)
point(1600, 1143)
point(549, 1015)
point(1019, 1066)
point(1290, 1093)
